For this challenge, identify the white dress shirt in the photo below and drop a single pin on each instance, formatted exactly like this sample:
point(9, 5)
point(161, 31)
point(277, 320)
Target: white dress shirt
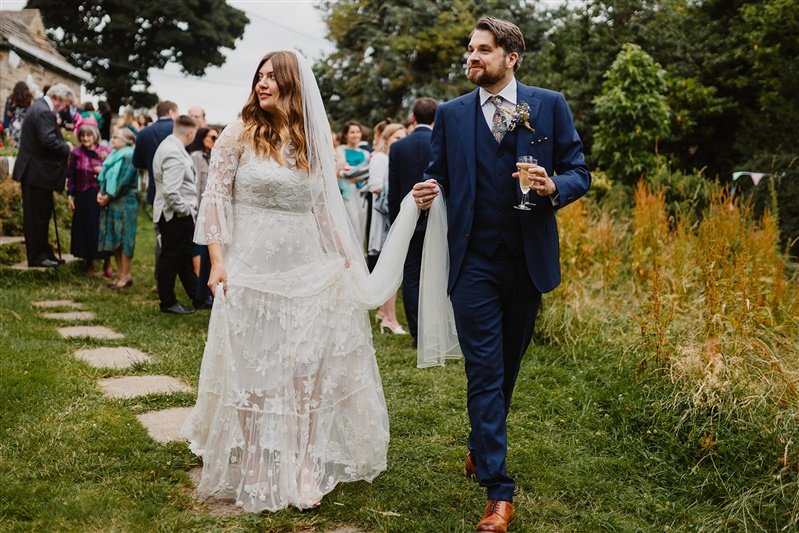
point(508, 94)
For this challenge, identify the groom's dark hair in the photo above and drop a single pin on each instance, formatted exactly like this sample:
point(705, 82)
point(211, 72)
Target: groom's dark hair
point(507, 35)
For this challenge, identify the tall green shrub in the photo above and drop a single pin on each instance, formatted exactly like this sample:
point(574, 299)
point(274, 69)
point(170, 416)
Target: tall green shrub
point(633, 116)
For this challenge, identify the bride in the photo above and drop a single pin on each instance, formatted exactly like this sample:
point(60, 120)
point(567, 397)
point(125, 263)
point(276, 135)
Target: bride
point(290, 401)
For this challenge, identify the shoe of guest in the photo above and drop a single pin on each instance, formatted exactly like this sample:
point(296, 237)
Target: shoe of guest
point(119, 284)
point(108, 273)
point(47, 263)
point(397, 330)
point(198, 304)
point(497, 516)
point(177, 309)
point(58, 260)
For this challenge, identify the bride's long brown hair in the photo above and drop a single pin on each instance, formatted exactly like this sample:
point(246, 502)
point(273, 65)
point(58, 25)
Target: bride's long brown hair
point(267, 131)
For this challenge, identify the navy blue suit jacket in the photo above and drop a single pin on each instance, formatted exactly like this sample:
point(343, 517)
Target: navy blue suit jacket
point(147, 142)
point(407, 162)
point(555, 144)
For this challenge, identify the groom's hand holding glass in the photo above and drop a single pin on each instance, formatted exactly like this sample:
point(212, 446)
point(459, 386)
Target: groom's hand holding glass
point(540, 182)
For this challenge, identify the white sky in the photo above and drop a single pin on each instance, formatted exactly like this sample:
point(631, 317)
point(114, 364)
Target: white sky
point(222, 91)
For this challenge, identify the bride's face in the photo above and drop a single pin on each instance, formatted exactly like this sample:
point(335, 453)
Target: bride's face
point(266, 89)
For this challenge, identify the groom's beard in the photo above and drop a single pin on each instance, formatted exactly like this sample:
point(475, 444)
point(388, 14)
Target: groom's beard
point(484, 78)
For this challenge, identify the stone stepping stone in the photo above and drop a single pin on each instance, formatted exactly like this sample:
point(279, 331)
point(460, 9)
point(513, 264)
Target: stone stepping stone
point(134, 386)
point(121, 357)
point(6, 239)
point(164, 426)
point(48, 304)
point(72, 315)
point(23, 265)
point(92, 332)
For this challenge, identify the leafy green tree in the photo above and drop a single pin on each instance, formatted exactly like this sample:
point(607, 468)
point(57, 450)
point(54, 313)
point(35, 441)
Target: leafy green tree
point(117, 41)
point(389, 53)
point(633, 115)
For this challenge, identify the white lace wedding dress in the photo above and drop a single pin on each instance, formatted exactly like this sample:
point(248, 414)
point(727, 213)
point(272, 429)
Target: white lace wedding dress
point(290, 401)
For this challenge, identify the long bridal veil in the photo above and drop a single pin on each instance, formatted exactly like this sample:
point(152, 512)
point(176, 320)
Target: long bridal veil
point(437, 336)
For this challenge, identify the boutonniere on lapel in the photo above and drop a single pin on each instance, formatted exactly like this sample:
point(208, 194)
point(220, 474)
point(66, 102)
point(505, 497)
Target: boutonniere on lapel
point(520, 116)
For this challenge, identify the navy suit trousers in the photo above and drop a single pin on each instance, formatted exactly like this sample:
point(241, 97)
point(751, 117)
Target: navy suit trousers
point(495, 305)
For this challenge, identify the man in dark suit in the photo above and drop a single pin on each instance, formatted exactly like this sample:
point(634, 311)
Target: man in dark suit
point(407, 162)
point(41, 169)
point(501, 258)
point(150, 138)
point(147, 142)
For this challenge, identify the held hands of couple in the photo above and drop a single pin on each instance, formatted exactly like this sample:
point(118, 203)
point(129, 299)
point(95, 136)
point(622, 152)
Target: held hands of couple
point(540, 182)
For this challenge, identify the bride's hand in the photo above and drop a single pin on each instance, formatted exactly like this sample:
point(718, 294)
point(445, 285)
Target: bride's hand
point(218, 275)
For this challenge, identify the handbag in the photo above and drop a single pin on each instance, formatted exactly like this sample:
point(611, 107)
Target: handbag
point(381, 203)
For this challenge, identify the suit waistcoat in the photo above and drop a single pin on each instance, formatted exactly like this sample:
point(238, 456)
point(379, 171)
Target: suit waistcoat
point(495, 220)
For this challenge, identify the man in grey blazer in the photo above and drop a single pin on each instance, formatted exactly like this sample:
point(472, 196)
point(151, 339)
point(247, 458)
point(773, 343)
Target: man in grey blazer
point(174, 209)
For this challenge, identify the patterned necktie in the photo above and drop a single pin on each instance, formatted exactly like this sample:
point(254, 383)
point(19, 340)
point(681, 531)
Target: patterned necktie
point(498, 124)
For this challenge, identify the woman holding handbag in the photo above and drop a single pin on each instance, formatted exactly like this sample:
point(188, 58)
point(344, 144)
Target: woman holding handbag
point(119, 200)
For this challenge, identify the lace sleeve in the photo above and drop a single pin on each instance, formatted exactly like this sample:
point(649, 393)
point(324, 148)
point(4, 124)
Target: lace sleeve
point(214, 217)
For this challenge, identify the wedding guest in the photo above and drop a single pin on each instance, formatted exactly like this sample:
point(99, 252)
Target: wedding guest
point(119, 201)
point(87, 111)
point(200, 151)
point(105, 123)
point(41, 169)
point(16, 105)
point(378, 186)
point(353, 174)
point(143, 120)
point(289, 400)
point(147, 142)
point(127, 120)
point(198, 114)
point(502, 255)
point(149, 139)
point(174, 209)
point(408, 160)
point(84, 165)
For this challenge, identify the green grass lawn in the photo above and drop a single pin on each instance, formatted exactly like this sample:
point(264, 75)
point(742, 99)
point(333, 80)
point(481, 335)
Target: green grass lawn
point(588, 443)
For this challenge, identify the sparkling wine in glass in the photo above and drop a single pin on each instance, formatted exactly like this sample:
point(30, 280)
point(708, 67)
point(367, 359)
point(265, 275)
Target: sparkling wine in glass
point(524, 164)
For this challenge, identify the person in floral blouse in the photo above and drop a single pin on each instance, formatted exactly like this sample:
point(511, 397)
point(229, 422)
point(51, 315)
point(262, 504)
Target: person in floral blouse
point(84, 165)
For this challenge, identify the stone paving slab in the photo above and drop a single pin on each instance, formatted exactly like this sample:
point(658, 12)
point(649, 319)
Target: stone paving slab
point(7, 239)
point(23, 265)
point(164, 426)
point(134, 386)
point(121, 357)
point(92, 332)
point(73, 315)
point(47, 304)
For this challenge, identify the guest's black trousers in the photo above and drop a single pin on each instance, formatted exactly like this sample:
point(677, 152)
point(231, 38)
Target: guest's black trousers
point(175, 261)
point(37, 209)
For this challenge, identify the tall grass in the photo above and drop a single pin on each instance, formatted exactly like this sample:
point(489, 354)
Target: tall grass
point(706, 308)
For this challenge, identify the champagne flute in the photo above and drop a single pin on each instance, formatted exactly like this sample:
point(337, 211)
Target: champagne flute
point(524, 164)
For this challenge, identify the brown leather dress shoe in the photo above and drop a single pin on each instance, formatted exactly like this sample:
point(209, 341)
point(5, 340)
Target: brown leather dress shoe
point(469, 468)
point(497, 517)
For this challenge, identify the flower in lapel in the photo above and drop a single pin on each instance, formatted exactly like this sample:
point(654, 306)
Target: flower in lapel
point(519, 116)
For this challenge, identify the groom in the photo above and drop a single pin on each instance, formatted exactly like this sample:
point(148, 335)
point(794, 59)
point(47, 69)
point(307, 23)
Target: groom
point(501, 259)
